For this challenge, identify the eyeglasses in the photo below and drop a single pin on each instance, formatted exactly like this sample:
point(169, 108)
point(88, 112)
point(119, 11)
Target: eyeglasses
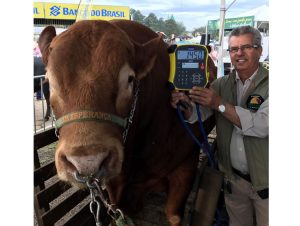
point(246, 47)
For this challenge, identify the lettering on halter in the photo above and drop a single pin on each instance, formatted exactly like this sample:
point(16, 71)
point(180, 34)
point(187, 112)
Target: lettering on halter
point(85, 115)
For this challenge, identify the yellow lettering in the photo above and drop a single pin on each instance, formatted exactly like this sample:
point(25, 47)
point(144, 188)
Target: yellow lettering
point(88, 114)
point(95, 114)
point(76, 115)
point(80, 114)
point(107, 117)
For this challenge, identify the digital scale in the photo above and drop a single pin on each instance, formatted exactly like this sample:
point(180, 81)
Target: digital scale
point(188, 66)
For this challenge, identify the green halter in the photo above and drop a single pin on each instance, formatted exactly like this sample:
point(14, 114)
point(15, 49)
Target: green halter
point(86, 115)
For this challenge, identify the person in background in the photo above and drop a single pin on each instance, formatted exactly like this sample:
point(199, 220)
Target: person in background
point(173, 39)
point(240, 102)
point(213, 53)
point(36, 50)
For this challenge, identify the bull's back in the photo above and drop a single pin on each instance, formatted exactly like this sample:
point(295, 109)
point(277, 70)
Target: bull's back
point(136, 31)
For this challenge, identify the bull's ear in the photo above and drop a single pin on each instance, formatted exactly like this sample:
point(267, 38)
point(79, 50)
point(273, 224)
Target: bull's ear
point(44, 42)
point(145, 56)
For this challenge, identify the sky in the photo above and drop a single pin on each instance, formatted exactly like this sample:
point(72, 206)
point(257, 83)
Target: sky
point(192, 13)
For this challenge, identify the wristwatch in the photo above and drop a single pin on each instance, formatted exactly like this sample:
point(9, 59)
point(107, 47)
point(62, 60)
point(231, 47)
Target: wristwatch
point(221, 108)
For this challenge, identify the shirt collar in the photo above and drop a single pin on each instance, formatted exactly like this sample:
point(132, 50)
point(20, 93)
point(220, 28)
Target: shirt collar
point(237, 78)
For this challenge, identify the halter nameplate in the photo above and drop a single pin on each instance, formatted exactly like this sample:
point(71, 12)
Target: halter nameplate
point(85, 115)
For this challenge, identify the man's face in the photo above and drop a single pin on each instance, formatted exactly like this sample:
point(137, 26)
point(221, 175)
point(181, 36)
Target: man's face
point(244, 58)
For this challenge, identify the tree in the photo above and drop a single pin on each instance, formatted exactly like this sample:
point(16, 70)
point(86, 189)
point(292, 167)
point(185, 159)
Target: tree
point(180, 28)
point(200, 30)
point(131, 13)
point(170, 27)
point(137, 16)
point(161, 25)
point(214, 34)
point(151, 21)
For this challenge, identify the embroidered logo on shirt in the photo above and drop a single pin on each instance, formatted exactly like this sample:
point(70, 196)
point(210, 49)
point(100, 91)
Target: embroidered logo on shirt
point(254, 101)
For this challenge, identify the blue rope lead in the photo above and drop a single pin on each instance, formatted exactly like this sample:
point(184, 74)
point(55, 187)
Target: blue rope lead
point(205, 147)
point(205, 143)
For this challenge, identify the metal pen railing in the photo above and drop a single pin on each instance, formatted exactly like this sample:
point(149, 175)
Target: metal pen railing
point(40, 123)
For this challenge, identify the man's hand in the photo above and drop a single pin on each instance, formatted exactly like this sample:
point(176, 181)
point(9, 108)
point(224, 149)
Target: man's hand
point(180, 97)
point(205, 97)
point(209, 98)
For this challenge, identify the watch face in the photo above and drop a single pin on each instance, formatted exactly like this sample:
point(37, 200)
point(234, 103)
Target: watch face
point(221, 108)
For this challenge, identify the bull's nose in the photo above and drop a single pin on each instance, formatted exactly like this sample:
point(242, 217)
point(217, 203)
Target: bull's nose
point(88, 165)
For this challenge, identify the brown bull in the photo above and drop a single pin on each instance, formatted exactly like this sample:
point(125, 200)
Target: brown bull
point(95, 66)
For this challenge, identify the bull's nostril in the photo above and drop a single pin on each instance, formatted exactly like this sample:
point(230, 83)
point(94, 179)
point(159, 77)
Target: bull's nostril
point(67, 164)
point(101, 173)
point(108, 161)
point(102, 170)
point(86, 165)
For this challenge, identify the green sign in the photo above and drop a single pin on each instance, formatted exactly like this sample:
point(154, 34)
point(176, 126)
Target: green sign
point(231, 23)
point(213, 25)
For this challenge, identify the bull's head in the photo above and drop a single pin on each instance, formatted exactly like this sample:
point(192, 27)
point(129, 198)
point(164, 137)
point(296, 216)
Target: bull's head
point(92, 67)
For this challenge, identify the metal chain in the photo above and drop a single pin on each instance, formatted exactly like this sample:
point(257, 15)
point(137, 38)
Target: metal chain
point(95, 211)
point(97, 192)
point(133, 106)
point(112, 211)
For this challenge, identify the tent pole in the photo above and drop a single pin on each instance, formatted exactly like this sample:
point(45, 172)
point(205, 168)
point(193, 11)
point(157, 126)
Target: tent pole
point(221, 34)
point(206, 35)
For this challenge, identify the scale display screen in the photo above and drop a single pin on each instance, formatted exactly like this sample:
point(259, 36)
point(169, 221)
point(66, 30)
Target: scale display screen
point(190, 55)
point(188, 66)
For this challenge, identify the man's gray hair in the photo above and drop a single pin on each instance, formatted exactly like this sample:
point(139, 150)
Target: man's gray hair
point(247, 30)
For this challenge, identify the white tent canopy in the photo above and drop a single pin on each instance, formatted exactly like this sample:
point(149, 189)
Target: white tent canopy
point(260, 13)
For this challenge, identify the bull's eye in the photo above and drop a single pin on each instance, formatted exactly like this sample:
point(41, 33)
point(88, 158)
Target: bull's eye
point(130, 78)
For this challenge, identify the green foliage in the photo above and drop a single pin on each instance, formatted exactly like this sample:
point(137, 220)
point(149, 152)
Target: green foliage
point(199, 31)
point(169, 26)
point(137, 16)
point(180, 28)
point(202, 30)
point(161, 24)
point(151, 21)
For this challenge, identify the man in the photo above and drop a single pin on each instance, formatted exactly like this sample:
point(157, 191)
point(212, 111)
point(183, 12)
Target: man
point(241, 106)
